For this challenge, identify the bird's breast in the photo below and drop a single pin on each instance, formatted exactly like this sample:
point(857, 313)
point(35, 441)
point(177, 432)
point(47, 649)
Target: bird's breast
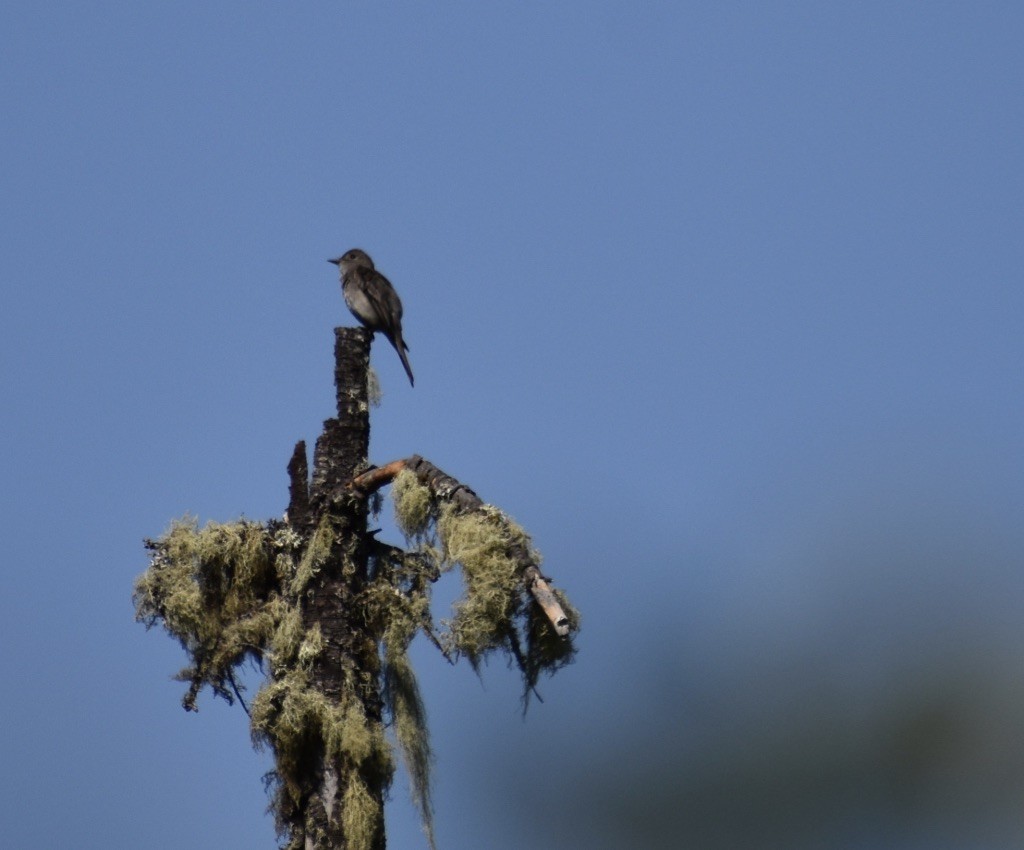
point(361, 306)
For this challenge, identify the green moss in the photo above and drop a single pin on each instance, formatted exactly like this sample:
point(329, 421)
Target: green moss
point(410, 729)
point(296, 721)
point(480, 543)
point(495, 611)
point(360, 814)
point(414, 507)
point(405, 706)
point(217, 590)
point(209, 588)
point(287, 638)
point(315, 556)
point(232, 592)
point(374, 395)
point(348, 733)
point(287, 545)
point(311, 647)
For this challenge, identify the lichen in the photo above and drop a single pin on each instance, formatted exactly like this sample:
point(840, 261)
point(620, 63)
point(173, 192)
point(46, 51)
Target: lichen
point(311, 647)
point(294, 719)
point(414, 506)
point(546, 650)
point(374, 394)
point(234, 592)
point(360, 814)
point(495, 611)
point(230, 592)
point(212, 589)
point(480, 542)
point(405, 706)
point(315, 556)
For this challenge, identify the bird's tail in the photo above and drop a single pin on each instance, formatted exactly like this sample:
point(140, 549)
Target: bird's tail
point(401, 348)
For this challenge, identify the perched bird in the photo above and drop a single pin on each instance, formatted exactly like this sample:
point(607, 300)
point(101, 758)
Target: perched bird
point(373, 300)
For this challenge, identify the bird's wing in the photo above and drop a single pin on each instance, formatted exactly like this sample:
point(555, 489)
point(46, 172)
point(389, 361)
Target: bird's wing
point(381, 294)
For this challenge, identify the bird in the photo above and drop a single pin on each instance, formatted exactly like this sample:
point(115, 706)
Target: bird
point(373, 300)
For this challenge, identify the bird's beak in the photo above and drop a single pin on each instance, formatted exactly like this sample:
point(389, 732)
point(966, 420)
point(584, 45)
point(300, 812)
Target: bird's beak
point(336, 262)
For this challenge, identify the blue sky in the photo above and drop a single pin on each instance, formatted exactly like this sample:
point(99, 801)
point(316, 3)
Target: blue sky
point(721, 301)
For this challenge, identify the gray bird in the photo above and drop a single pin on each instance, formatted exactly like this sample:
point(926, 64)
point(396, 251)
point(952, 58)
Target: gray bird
point(372, 299)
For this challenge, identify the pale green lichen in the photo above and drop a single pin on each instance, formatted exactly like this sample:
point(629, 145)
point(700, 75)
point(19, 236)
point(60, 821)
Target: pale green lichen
point(210, 589)
point(414, 506)
point(315, 556)
point(360, 814)
point(231, 592)
point(218, 590)
point(287, 640)
point(480, 543)
point(311, 647)
point(495, 611)
point(374, 395)
point(405, 705)
point(292, 718)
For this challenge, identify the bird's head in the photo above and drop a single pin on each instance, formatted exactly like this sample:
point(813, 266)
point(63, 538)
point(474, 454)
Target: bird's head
point(354, 259)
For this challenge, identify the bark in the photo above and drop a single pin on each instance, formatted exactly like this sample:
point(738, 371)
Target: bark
point(349, 662)
point(298, 489)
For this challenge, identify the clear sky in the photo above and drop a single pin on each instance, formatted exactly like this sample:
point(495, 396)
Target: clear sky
point(722, 301)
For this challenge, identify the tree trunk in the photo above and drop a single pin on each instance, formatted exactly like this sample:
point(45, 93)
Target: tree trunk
point(349, 662)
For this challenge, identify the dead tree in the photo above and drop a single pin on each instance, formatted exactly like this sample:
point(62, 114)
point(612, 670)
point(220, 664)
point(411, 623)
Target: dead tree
point(328, 613)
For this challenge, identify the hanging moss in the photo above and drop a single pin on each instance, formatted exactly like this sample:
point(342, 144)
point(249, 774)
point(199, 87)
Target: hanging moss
point(287, 639)
point(315, 556)
point(414, 506)
point(546, 650)
point(311, 647)
point(495, 611)
point(397, 603)
point(288, 546)
point(218, 591)
point(231, 592)
point(374, 394)
point(210, 589)
point(479, 542)
point(360, 814)
point(295, 720)
point(405, 706)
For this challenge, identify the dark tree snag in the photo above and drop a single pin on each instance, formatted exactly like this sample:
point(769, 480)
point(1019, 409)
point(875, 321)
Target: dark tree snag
point(349, 660)
point(341, 449)
point(449, 489)
point(298, 488)
point(333, 611)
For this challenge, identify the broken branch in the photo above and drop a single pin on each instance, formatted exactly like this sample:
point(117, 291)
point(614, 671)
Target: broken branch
point(449, 489)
